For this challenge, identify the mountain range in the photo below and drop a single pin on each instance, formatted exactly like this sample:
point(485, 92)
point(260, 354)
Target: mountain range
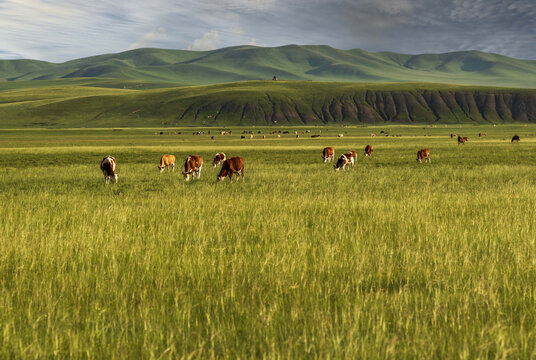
point(165, 68)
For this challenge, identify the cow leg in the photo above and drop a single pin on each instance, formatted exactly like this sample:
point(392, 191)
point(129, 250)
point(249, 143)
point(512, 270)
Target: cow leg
point(173, 167)
point(242, 174)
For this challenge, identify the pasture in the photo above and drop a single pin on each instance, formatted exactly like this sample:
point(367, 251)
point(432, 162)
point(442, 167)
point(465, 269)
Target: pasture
point(390, 259)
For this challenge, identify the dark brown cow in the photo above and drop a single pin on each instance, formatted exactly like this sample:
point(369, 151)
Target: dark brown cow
point(368, 150)
point(328, 154)
point(462, 140)
point(234, 165)
point(192, 167)
point(218, 159)
point(107, 167)
point(479, 134)
point(423, 154)
point(515, 138)
point(343, 161)
point(167, 161)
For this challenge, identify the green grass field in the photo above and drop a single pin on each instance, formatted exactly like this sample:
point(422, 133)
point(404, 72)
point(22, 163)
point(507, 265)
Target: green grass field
point(390, 259)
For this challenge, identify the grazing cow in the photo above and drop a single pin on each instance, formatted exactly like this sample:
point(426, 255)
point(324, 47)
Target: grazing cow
point(219, 159)
point(340, 135)
point(462, 140)
point(344, 161)
point(368, 150)
point(452, 135)
point(107, 167)
point(315, 136)
point(264, 136)
point(234, 165)
point(328, 154)
point(192, 167)
point(278, 136)
point(353, 154)
point(167, 161)
point(515, 138)
point(479, 134)
point(423, 154)
point(372, 135)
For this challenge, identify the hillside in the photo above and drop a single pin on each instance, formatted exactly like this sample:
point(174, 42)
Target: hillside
point(265, 103)
point(291, 62)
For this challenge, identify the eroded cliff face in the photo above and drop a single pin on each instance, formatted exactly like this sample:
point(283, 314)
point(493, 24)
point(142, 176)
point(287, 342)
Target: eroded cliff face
point(428, 106)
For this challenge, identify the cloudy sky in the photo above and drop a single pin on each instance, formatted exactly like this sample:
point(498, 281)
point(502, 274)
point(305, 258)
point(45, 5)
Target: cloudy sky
point(60, 30)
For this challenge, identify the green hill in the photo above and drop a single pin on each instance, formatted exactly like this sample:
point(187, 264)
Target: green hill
point(264, 103)
point(291, 62)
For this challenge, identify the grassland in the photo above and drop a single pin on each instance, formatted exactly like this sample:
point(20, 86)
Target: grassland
point(86, 103)
point(291, 62)
point(390, 259)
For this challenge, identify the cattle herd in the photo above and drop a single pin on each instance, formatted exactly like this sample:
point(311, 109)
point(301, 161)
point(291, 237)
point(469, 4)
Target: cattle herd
point(235, 165)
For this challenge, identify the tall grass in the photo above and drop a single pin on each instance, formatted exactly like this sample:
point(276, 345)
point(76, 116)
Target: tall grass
point(390, 259)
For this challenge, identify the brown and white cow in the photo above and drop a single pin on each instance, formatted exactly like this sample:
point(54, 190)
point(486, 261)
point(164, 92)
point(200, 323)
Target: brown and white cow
point(515, 138)
point(344, 161)
point(462, 140)
point(452, 135)
point(423, 154)
point(192, 167)
point(234, 165)
point(328, 154)
point(353, 154)
point(107, 167)
point(167, 161)
point(368, 150)
point(219, 158)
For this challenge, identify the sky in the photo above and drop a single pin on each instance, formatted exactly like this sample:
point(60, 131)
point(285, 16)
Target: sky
point(61, 30)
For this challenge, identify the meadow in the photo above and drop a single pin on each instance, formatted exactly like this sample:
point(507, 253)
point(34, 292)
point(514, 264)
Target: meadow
point(389, 259)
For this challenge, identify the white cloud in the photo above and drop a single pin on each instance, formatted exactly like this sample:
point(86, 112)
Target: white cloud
point(209, 41)
point(149, 39)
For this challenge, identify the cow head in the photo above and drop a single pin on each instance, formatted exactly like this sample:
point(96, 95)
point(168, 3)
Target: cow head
point(186, 176)
point(160, 168)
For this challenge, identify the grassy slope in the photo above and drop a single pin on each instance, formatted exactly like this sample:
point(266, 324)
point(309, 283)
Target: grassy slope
point(292, 62)
point(264, 103)
point(391, 259)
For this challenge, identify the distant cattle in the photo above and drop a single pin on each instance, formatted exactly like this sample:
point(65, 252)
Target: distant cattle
point(219, 158)
point(368, 150)
point(234, 165)
point(515, 138)
point(462, 140)
point(340, 135)
point(423, 154)
point(264, 136)
point(315, 136)
point(107, 167)
point(479, 134)
point(242, 137)
point(452, 135)
point(344, 161)
point(167, 161)
point(192, 167)
point(278, 136)
point(372, 135)
point(328, 154)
